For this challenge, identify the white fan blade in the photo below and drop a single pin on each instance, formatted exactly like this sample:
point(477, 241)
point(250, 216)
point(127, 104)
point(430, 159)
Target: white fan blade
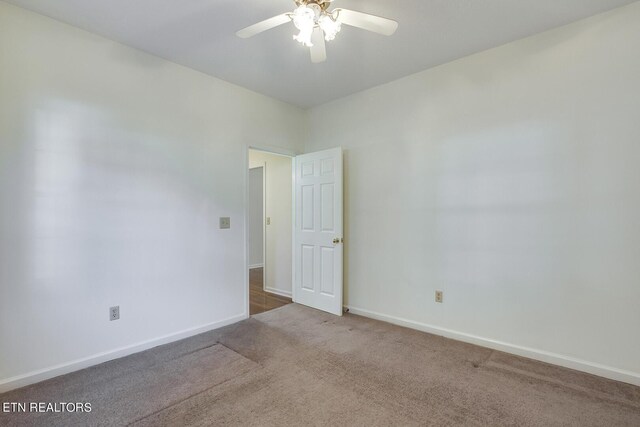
point(318, 50)
point(265, 25)
point(367, 22)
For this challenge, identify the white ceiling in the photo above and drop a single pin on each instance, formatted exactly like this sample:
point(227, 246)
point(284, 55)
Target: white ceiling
point(200, 34)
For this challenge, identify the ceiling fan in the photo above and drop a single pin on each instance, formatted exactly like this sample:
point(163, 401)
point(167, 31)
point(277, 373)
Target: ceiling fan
point(317, 24)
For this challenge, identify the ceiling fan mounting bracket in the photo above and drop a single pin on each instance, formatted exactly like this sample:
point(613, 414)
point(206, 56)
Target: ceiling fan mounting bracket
point(322, 4)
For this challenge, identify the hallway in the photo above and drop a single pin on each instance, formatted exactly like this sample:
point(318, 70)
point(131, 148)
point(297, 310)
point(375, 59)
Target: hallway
point(259, 300)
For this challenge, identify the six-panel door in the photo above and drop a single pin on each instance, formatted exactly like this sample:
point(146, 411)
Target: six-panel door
point(318, 246)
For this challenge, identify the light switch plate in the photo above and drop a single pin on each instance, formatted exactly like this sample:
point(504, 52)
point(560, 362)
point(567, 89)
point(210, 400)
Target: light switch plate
point(225, 222)
point(268, 220)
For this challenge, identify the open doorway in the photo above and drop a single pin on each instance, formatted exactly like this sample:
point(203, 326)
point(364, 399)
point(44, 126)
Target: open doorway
point(269, 231)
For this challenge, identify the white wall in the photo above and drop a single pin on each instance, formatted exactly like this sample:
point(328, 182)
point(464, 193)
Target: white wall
point(510, 180)
point(114, 169)
point(278, 255)
point(256, 218)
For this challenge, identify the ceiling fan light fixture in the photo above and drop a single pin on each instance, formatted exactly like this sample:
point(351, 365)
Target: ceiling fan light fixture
point(304, 18)
point(330, 26)
point(317, 24)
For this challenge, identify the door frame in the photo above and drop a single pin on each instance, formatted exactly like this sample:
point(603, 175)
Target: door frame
point(264, 219)
point(278, 152)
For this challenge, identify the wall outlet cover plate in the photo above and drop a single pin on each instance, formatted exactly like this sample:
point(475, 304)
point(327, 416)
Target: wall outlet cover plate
point(225, 222)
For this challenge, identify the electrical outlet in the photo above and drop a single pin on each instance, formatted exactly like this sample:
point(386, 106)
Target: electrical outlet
point(225, 222)
point(114, 313)
point(438, 296)
point(268, 220)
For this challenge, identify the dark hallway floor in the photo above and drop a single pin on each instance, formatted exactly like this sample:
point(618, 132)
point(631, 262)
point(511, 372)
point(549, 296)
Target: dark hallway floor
point(260, 300)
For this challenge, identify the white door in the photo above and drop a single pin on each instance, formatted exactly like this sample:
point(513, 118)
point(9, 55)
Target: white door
point(318, 242)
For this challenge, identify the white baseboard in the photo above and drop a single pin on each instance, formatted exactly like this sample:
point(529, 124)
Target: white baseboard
point(255, 266)
point(280, 292)
point(531, 353)
point(75, 365)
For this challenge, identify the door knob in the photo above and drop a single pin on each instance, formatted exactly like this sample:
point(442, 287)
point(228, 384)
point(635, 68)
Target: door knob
point(338, 240)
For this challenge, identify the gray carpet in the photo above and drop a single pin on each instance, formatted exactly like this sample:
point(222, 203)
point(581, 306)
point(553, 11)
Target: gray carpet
point(298, 366)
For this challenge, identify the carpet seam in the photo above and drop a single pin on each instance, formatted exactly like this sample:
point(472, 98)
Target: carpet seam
point(194, 394)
